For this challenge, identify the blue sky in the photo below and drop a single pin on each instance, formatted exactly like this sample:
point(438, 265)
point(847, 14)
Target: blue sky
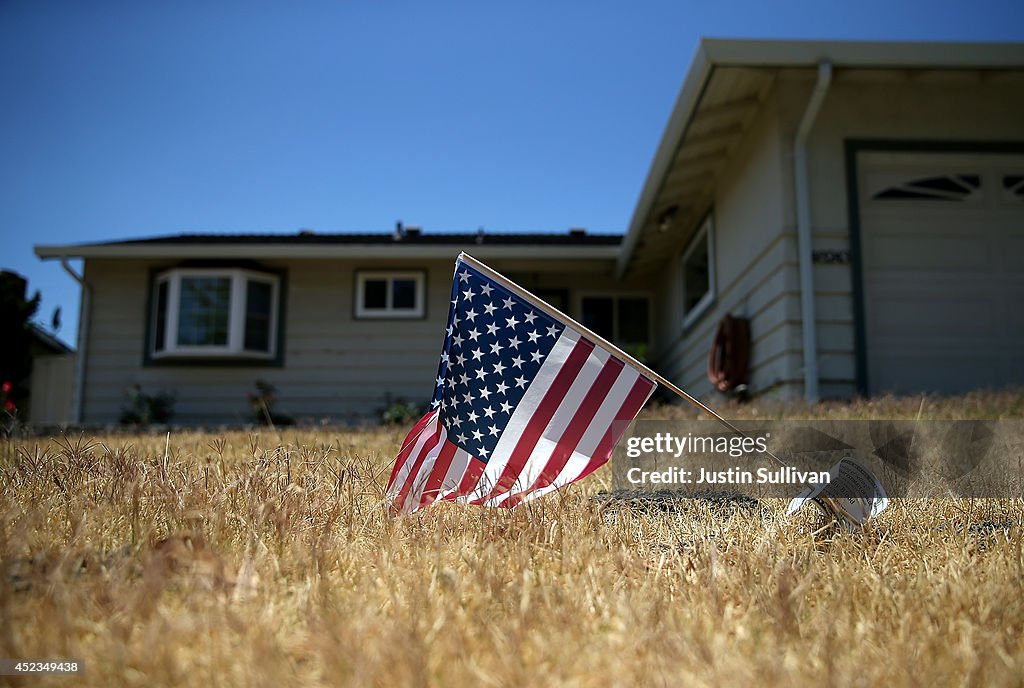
point(131, 119)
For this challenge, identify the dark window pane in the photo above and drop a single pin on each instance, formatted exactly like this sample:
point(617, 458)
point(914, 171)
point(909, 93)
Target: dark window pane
point(375, 294)
point(403, 294)
point(902, 194)
point(258, 303)
point(160, 324)
point(633, 321)
point(1014, 183)
point(558, 298)
point(204, 311)
point(696, 276)
point(947, 184)
point(598, 315)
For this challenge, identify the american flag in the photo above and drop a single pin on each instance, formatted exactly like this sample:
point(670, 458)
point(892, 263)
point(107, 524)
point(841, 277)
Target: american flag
point(523, 404)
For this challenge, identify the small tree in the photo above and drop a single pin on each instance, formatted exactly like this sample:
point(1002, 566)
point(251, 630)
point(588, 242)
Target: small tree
point(15, 339)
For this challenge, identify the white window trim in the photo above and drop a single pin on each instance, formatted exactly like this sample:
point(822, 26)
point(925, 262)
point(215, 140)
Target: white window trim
point(388, 312)
point(235, 348)
point(691, 316)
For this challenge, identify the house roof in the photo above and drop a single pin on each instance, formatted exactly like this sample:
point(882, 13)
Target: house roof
point(720, 95)
point(409, 243)
point(47, 341)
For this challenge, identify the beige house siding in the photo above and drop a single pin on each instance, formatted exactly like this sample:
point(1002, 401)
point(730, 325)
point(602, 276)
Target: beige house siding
point(949, 106)
point(755, 218)
point(755, 267)
point(335, 366)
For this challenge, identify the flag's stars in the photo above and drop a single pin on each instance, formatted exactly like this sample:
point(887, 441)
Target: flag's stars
point(474, 334)
point(486, 289)
point(508, 303)
point(553, 331)
point(457, 340)
point(477, 354)
point(537, 356)
point(530, 317)
point(435, 403)
point(481, 373)
point(514, 342)
point(464, 276)
point(485, 393)
point(484, 451)
point(489, 411)
point(464, 379)
point(471, 315)
point(460, 360)
point(461, 437)
point(456, 421)
point(517, 362)
point(489, 308)
point(471, 417)
point(521, 382)
point(493, 430)
point(496, 347)
point(492, 329)
point(477, 435)
point(452, 382)
point(449, 330)
point(511, 322)
point(498, 367)
point(467, 398)
point(469, 294)
point(533, 336)
point(502, 388)
point(440, 380)
point(506, 407)
point(444, 357)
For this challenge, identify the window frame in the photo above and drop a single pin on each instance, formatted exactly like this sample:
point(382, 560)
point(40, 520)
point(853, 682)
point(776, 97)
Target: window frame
point(616, 297)
point(707, 300)
point(234, 349)
point(389, 312)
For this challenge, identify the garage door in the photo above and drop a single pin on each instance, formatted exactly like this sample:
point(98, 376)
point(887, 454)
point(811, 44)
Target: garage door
point(942, 239)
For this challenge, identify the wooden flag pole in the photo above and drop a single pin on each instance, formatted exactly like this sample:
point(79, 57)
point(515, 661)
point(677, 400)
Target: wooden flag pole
point(566, 320)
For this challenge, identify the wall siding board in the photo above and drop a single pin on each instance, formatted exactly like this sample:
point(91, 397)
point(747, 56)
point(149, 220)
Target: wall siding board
point(335, 366)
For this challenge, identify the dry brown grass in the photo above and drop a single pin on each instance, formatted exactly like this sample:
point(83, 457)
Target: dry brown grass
point(268, 559)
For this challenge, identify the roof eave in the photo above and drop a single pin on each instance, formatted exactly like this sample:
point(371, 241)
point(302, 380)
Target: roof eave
point(144, 251)
point(686, 103)
point(865, 54)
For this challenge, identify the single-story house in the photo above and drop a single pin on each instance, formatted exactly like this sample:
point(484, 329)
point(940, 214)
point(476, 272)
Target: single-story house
point(875, 190)
point(341, 324)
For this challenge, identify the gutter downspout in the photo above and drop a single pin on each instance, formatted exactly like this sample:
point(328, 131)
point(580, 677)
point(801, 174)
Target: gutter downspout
point(83, 340)
point(803, 231)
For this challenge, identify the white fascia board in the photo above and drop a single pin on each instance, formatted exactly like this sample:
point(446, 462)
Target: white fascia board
point(334, 251)
point(865, 54)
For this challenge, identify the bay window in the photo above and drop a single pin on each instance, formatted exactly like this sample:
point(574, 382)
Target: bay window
point(215, 312)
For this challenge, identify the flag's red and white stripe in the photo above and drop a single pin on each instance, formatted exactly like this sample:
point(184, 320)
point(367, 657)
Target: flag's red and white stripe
point(564, 428)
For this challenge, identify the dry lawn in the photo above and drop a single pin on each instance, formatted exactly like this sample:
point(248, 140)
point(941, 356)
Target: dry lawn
point(244, 559)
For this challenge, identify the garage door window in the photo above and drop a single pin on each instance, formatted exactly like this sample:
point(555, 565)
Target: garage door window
point(1013, 187)
point(952, 187)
